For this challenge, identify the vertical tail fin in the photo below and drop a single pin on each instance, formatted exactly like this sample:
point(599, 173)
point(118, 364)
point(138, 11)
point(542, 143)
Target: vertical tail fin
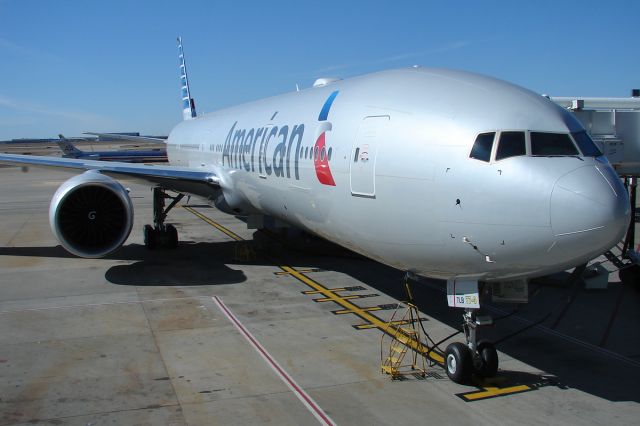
point(188, 105)
point(67, 148)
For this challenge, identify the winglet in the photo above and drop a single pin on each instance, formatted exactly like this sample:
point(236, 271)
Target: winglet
point(188, 104)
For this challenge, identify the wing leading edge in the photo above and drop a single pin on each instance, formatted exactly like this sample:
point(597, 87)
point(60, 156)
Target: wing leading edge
point(118, 136)
point(180, 179)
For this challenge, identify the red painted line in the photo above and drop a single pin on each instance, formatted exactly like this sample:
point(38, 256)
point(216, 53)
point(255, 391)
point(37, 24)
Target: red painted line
point(308, 402)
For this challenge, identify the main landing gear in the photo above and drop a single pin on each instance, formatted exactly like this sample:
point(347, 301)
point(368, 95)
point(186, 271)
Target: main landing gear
point(161, 235)
point(479, 357)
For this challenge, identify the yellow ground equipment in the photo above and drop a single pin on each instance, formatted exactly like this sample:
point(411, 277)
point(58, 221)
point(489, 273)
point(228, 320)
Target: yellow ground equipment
point(404, 324)
point(243, 252)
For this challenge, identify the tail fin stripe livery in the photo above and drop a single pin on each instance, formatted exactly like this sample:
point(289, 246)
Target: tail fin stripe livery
point(188, 106)
point(67, 148)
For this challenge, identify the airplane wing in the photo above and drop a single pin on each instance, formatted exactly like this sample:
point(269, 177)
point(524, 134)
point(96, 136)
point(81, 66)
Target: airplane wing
point(148, 139)
point(179, 179)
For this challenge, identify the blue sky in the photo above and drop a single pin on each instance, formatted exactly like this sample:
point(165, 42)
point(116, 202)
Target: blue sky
point(76, 66)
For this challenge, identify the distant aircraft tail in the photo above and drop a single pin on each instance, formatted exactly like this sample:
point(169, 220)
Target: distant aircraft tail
point(188, 105)
point(68, 149)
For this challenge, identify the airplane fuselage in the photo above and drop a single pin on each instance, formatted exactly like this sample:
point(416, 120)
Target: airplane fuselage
point(382, 164)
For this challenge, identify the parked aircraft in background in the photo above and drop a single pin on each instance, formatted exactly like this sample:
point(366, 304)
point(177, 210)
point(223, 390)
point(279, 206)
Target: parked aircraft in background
point(436, 172)
point(130, 156)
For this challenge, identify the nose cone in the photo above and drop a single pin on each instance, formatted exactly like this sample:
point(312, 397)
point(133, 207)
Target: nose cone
point(590, 209)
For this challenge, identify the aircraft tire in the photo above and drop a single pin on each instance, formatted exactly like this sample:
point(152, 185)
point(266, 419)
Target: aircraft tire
point(458, 362)
point(150, 237)
point(488, 358)
point(172, 237)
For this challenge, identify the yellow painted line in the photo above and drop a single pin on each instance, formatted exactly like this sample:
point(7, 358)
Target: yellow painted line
point(365, 315)
point(316, 291)
point(214, 224)
point(373, 321)
point(330, 299)
point(306, 271)
point(347, 311)
point(367, 326)
point(491, 392)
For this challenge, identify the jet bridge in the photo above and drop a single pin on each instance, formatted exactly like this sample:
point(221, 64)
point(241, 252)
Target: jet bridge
point(614, 124)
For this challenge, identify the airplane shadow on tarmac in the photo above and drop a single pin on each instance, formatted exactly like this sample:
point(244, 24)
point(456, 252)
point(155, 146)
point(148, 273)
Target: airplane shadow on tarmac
point(192, 264)
point(566, 363)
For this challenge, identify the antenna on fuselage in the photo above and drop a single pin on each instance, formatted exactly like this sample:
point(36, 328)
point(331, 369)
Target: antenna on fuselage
point(188, 104)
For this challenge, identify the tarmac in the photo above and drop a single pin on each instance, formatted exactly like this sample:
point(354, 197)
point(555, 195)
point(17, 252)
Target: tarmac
point(236, 327)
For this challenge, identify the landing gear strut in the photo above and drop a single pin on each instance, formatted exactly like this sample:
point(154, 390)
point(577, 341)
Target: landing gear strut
point(479, 357)
point(160, 234)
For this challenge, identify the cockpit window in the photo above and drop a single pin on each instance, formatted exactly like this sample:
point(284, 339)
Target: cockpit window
point(551, 144)
point(482, 147)
point(511, 144)
point(586, 145)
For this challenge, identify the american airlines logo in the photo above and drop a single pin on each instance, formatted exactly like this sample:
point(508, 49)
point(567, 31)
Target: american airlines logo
point(275, 150)
point(321, 157)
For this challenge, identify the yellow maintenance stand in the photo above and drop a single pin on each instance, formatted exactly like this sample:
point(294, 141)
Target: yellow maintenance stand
point(243, 252)
point(404, 321)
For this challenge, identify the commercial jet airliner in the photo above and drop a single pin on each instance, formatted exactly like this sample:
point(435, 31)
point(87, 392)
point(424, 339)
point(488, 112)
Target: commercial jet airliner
point(69, 150)
point(439, 173)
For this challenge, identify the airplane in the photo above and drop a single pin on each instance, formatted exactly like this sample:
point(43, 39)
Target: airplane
point(131, 156)
point(439, 173)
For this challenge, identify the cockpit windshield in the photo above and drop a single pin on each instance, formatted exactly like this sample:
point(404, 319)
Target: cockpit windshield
point(497, 146)
point(551, 144)
point(586, 144)
point(512, 144)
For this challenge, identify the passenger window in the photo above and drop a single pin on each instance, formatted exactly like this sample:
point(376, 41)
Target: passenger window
point(586, 145)
point(482, 147)
point(551, 144)
point(512, 144)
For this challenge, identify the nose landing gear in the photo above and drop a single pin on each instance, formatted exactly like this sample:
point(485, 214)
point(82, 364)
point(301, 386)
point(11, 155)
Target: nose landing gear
point(479, 357)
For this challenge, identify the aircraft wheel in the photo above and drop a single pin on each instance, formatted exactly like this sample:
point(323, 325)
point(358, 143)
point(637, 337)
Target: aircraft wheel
point(488, 359)
point(150, 237)
point(172, 237)
point(458, 362)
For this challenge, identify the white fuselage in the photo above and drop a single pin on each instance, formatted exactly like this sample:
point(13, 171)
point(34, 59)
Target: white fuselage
point(392, 176)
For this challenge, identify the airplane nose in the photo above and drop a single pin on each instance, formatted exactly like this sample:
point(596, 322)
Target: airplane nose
point(590, 209)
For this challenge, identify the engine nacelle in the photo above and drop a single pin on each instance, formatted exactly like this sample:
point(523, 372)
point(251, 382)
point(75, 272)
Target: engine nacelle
point(91, 215)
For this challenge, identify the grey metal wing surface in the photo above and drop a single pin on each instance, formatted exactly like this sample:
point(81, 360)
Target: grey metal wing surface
point(180, 179)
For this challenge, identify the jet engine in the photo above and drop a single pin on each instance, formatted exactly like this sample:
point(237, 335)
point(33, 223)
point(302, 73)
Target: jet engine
point(91, 215)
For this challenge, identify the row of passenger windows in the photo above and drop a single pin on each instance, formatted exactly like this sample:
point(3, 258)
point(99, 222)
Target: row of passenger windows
point(513, 144)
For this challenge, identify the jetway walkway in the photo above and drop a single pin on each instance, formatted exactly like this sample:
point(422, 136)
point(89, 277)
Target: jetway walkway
point(614, 124)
